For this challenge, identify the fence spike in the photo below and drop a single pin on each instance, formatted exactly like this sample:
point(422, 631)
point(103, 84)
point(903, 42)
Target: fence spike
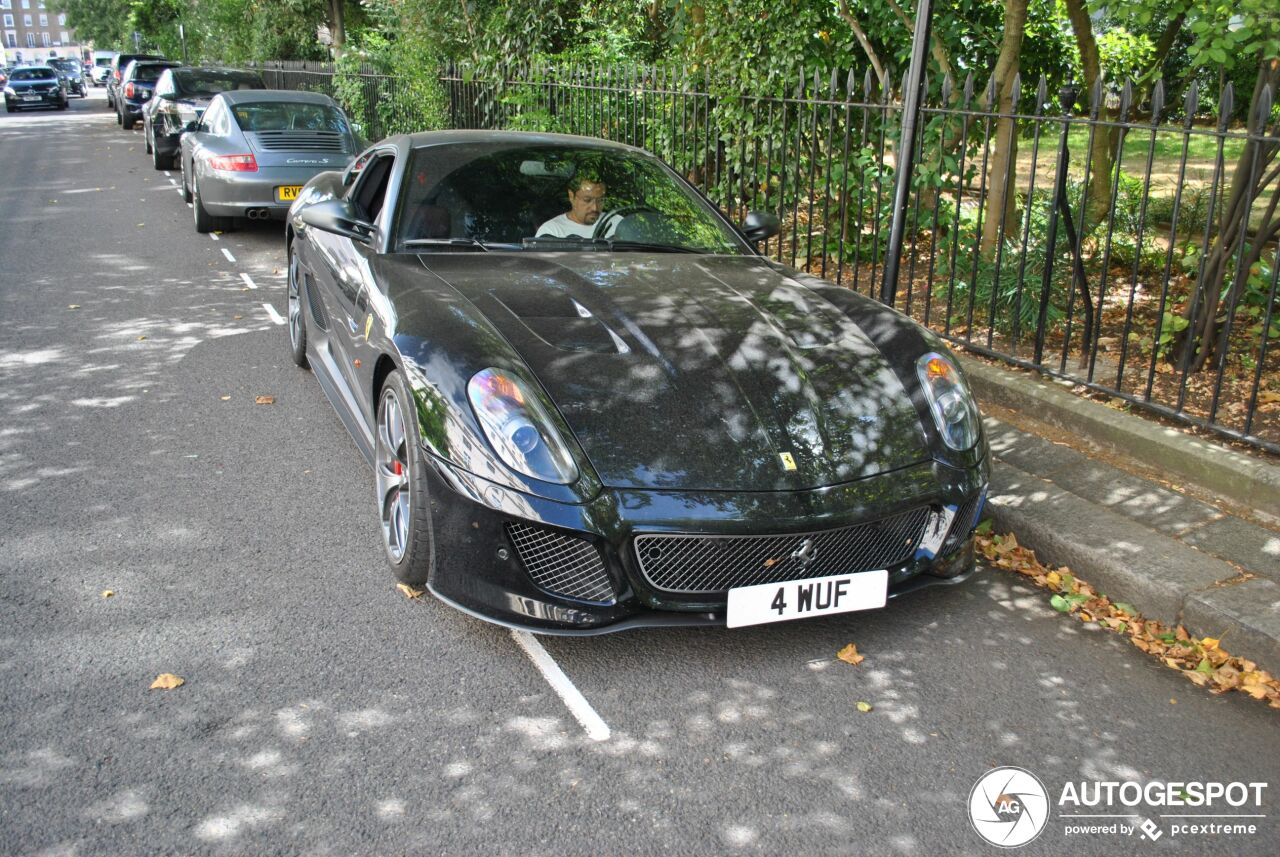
point(1157, 101)
point(989, 94)
point(1042, 95)
point(800, 86)
point(1226, 105)
point(968, 90)
point(1095, 99)
point(835, 83)
point(947, 86)
point(1126, 99)
point(866, 85)
point(1016, 92)
point(849, 86)
point(1192, 101)
point(1262, 109)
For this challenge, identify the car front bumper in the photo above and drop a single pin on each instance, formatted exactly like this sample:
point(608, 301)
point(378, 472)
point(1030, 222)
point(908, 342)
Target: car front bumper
point(44, 99)
point(482, 567)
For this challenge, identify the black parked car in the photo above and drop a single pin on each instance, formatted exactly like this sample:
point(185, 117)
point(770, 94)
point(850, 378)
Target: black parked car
point(181, 96)
point(136, 87)
point(119, 63)
point(72, 73)
point(34, 86)
point(642, 423)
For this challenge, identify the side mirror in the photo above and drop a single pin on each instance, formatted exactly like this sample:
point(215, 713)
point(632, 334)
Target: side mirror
point(338, 217)
point(193, 126)
point(760, 225)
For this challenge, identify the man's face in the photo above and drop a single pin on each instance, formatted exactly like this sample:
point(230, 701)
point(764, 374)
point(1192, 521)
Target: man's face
point(586, 203)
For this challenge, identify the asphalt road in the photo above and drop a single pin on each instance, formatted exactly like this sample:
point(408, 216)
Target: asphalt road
point(324, 713)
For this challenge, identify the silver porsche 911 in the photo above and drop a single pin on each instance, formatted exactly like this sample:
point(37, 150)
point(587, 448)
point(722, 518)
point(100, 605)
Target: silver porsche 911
point(252, 151)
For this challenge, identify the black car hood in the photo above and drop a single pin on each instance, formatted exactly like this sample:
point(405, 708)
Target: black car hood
point(696, 372)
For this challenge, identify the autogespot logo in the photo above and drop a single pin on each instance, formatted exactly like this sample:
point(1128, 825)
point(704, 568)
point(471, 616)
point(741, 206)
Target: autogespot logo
point(1008, 807)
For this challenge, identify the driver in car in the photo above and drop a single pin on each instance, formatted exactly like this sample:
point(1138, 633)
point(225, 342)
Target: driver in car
point(586, 203)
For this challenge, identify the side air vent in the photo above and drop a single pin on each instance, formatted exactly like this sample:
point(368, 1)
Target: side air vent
point(562, 564)
point(317, 307)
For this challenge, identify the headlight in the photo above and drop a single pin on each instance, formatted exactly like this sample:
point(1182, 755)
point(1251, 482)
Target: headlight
point(518, 427)
point(9, 90)
point(950, 401)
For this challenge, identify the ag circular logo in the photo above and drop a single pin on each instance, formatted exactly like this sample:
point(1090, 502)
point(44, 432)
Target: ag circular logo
point(1008, 807)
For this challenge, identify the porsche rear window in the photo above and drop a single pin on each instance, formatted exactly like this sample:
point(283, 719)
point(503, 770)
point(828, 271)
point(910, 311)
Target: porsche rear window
point(289, 116)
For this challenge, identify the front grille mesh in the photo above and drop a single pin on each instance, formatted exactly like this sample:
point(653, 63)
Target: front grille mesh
point(299, 141)
point(562, 564)
point(704, 564)
point(963, 523)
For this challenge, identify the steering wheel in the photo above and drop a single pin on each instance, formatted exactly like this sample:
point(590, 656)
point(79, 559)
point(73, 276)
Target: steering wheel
point(616, 215)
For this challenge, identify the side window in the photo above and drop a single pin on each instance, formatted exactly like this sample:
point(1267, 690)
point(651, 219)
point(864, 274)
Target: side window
point(211, 117)
point(370, 191)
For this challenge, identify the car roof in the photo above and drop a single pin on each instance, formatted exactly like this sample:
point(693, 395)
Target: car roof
point(431, 138)
point(243, 96)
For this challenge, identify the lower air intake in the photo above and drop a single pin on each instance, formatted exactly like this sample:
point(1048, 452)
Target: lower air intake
point(561, 564)
point(965, 521)
point(712, 564)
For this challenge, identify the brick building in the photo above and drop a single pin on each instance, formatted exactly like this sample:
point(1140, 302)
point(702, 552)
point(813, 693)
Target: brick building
point(30, 33)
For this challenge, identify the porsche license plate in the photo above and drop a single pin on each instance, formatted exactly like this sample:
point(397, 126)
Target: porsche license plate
point(800, 599)
point(288, 193)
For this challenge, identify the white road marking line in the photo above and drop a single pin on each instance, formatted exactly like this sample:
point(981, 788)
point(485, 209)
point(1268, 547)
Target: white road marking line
point(179, 190)
point(189, 205)
point(248, 281)
point(173, 182)
point(227, 253)
point(275, 316)
point(167, 174)
point(596, 728)
point(213, 235)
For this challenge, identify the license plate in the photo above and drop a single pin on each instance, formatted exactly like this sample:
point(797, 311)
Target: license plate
point(288, 192)
point(800, 599)
point(32, 98)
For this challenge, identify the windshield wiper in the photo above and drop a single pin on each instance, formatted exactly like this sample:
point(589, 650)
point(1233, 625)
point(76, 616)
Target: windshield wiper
point(475, 243)
point(646, 245)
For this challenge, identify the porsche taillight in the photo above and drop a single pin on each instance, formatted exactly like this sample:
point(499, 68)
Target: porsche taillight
point(234, 163)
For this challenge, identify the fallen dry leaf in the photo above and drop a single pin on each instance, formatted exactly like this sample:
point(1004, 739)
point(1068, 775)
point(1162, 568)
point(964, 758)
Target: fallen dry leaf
point(864, 707)
point(849, 654)
point(167, 681)
point(73, 306)
point(265, 400)
point(140, 338)
point(225, 398)
point(1202, 661)
point(108, 593)
point(410, 591)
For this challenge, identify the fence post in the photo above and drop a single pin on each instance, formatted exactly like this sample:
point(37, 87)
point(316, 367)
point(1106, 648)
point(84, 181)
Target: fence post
point(911, 93)
point(1067, 96)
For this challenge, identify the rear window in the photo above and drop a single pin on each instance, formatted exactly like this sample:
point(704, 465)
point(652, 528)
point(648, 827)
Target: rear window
point(103, 62)
point(212, 82)
point(148, 73)
point(288, 116)
point(34, 74)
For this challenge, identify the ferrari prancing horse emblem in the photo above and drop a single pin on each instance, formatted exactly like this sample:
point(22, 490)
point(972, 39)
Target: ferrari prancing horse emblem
point(788, 462)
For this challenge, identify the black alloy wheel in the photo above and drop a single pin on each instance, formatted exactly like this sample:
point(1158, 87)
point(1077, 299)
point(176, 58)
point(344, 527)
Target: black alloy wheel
point(404, 509)
point(297, 319)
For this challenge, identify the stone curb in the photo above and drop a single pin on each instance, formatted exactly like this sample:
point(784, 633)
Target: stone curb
point(1160, 576)
point(1240, 479)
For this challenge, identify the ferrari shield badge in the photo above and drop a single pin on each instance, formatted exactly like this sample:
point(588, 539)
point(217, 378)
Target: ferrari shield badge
point(788, 463)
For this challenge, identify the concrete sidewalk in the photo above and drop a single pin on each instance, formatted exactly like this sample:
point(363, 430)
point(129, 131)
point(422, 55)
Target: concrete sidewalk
point(1183, 529)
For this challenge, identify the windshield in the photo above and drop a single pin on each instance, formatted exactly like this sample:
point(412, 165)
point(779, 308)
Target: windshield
point(34, 74)
point(289, 116)
point(554, 198)
point(195, 82)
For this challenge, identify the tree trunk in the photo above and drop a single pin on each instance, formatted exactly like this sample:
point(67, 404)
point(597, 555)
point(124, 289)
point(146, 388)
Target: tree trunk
point(1205, 336)
point(1002, 175)
point(1101, 156)
point(338, 26)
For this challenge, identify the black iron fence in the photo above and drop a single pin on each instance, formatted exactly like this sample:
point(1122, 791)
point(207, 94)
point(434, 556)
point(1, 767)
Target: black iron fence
point(1120, 239)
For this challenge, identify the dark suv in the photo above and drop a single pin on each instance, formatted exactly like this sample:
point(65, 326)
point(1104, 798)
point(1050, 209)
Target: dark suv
point(118, 65)
point(136, 86)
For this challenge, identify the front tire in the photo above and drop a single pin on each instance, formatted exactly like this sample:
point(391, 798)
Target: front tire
point(408, 535)
point(126, 122)
point(297, 319)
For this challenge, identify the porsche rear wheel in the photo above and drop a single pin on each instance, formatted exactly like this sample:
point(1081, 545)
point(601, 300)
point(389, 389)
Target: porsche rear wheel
point(297, 321)
point(400, 475)
point(205, 222)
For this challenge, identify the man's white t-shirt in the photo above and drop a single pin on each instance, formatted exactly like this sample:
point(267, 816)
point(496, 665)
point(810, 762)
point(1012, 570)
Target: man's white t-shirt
point(563, 227)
